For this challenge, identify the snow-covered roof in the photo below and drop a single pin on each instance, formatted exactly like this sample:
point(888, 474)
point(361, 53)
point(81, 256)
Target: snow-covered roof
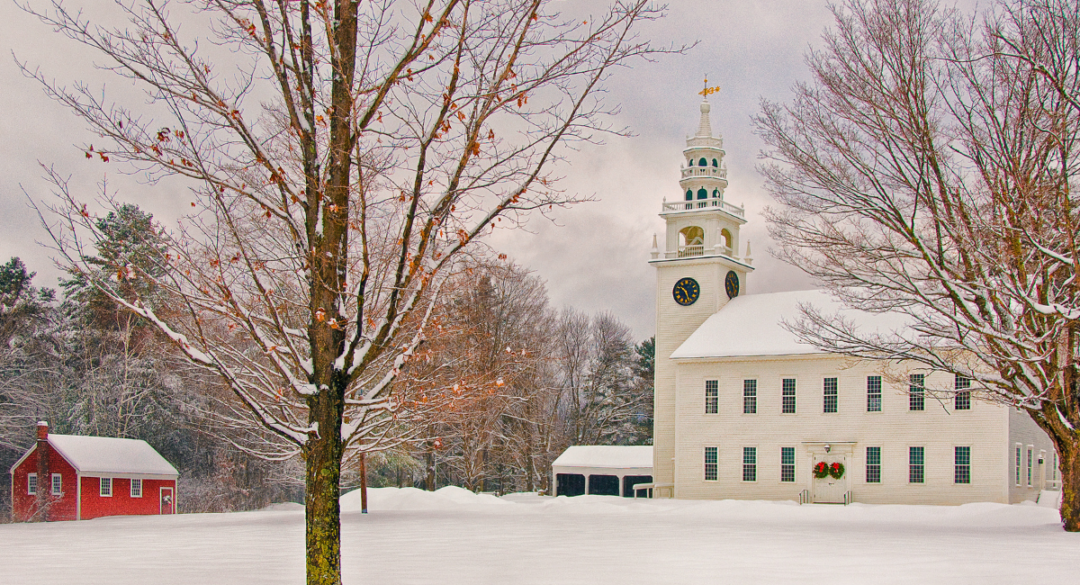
point(751, 325)
point(109, 456)
point(606, 456)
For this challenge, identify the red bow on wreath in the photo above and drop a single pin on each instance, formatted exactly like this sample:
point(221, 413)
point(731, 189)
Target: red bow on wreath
point(821, 469)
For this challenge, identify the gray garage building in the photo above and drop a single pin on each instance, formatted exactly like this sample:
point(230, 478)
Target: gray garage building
point(603, 470)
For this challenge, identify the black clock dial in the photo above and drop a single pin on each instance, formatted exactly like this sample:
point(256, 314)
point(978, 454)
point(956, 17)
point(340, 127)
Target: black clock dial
point(731, 284)
point(686, 291)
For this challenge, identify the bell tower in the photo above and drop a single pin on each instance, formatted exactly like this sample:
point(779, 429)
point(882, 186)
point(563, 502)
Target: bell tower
point(698, 270)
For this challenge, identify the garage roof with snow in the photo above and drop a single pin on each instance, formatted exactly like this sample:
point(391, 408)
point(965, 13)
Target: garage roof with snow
point(606, 457)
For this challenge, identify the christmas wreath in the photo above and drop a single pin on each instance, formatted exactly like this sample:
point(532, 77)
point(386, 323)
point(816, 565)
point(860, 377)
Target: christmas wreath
point(836, 470)
point(821, 470)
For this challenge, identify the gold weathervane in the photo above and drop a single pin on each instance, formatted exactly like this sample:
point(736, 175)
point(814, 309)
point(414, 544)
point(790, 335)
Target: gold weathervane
point(708, 90)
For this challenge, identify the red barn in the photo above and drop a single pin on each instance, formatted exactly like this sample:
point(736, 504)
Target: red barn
point(89, 477)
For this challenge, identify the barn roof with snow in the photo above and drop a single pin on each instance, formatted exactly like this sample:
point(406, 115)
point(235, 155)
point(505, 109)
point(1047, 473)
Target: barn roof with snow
point(753, 325)
point(606, 457)
point(110, 456)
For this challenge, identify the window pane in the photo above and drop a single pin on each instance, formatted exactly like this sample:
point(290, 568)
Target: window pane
point(136, 488)
point(31, 484)
point(749, 397)
point(963, 465)
point(787, 463)
point(106, 486)
point(1029, 465)
point(916, 392)
point(712, 396)
point(57, 484)
point(962, 400)
point(1017, 465)
point(749, 468)
point(710, 463)
point(915, 465)
point(830, 390)
point(788, 405)
point(873, 394)
point(873, 465)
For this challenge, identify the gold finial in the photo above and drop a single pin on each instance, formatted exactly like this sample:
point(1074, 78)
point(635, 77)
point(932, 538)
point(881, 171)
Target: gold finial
point(708, 90)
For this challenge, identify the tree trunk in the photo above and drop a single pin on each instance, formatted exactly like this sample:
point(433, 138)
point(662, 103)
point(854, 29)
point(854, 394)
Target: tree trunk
point(429, 479)
point(322, 454)
point(1069, 460)
point(363, 484)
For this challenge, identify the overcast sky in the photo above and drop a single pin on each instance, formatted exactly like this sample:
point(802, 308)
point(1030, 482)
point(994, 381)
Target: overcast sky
point(594, 257)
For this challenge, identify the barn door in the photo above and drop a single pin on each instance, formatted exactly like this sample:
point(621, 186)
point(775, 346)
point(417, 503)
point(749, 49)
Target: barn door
point(167, 501)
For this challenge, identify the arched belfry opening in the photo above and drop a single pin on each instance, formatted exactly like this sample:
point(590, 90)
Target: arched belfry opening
point(691, 241)
point(702, 162)
point(725, 241)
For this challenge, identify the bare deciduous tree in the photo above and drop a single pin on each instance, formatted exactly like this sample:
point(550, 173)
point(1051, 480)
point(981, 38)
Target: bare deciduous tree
point(340, 155)
point(928, 170)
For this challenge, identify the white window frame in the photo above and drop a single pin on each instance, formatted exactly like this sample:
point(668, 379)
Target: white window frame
point(835, 395)
point(751, 387)
point(1018, 461)
point(921, 465)
point(1054, 469)
point(794, 395)
point(751, 466)
point(961, 469)
point(962, 398)
point(715, 463)
point(875, 467)
point(31, 484)
point(790, 467)
point(916, 392)
point(103, 491)
point(57, 484)
point(712, 401)
point(136, 493)
point(1030, 462)
point(873, 398)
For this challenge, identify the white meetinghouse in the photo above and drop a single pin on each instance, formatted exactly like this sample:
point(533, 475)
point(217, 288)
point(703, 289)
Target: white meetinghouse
point(743, 410)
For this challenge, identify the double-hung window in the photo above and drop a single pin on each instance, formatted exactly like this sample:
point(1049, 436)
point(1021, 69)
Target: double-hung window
point(916, 465)
point(712, 396)
point(57, 484)
point(830, 395)
point(710, 463)
point(749, 464)
point(1030, 450)
point(873, 465)
point(787, 405)
point(105, 490)
point(31, 484)
point(873, 394)
point(749, 396)
point(962, 398)
point(962, 474)
point(787, 463)
point(917, 392)
point(1017, 464)
point(136, 488)
point(1054, 469)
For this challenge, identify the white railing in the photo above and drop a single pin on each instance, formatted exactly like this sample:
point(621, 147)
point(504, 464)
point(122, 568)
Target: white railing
point(717, 172)
point(1053, 484)
point(704, 204)
point(685, 251)
point(804, 497)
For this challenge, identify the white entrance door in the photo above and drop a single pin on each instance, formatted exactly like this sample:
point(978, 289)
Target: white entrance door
point(828, 490)
point(167, 504)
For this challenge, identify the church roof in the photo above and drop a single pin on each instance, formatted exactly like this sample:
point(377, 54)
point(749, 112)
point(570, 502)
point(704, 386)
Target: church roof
point(752, 325)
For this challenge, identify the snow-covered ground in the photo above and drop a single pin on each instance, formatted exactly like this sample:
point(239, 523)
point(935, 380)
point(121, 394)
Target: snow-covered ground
point(453, 536)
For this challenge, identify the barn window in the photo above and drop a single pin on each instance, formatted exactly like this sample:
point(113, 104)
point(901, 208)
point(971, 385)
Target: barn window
point(31, 483)
point(106, 487)
point(57, 484)
point(136, 488)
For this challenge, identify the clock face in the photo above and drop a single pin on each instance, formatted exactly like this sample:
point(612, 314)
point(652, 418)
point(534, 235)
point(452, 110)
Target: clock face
point(731, 284)
point(686, 291)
